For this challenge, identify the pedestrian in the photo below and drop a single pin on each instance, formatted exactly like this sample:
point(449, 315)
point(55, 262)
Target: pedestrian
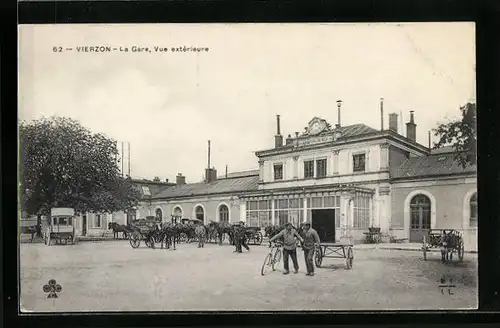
point(240, 238)
point(311, 241)
point(200, 233)
point(289, 246)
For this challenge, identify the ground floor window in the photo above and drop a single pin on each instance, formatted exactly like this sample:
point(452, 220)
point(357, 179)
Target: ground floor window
point(258, 213)
point(473, 210)
point(361, 209)
point(223, 213)
point(289, 210)
point(97, 221)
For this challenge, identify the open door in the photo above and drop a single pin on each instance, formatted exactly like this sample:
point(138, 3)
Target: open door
point(323, 221)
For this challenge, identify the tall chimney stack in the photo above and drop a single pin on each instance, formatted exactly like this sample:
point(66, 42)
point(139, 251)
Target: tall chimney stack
point(208, 154)
point(429, 139)
point(278, 138)
point(339, 104)
point(226, 170)
point(393, 122)
point(411, 128)
point(381, 114)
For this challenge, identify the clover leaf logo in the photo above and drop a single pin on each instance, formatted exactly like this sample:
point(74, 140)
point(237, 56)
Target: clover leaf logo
point(52, 288)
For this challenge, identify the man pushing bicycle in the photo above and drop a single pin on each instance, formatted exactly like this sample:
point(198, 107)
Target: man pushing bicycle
point(289, 246)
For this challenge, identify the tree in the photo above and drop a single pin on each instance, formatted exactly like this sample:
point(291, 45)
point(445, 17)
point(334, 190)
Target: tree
point(461, 135)
point(63, 164)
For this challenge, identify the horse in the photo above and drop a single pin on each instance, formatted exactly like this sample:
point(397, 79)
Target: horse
point(118, 228)
point(169, 235)
point(449, 242)
point(221, 228)
point(31, 230)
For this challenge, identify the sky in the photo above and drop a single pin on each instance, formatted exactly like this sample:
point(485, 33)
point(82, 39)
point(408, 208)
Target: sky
point(168, 105)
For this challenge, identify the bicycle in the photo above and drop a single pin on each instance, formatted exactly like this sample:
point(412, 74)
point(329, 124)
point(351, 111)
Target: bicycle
point(272, 258)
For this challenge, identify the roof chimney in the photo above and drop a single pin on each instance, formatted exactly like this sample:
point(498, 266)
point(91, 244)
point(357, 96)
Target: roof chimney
point(208, 166)
point(411, 128)
point(296, 139)
point(226, 170)
point(429, 139)
point(381, 114)
point(393, 122)
point(289, 140)
point(278, 138)
point(339, 104)
point(180, 179)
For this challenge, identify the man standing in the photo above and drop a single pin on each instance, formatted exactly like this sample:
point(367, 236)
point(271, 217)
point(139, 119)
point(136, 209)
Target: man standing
point(240, 238)
point(289, 247)
point(200, 233)
point(311, 241)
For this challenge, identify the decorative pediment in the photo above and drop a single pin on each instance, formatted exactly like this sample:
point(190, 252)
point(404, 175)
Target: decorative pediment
point(316, 126)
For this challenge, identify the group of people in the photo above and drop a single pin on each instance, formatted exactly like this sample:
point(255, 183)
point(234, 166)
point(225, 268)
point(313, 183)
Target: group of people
point(309, 239)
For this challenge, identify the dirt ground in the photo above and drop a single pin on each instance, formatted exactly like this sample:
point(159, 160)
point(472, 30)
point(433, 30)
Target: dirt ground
point(111, 276)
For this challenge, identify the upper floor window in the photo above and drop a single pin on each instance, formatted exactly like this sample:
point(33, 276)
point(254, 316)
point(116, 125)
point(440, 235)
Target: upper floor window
point(308, 169)
point(278, 171)
point(321, 168)
point(473, 210)
point(358, 162)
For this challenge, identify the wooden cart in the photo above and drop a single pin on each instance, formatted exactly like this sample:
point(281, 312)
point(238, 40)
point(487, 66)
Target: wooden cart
point(335, 250)
point(449, 241)
point(61, 227)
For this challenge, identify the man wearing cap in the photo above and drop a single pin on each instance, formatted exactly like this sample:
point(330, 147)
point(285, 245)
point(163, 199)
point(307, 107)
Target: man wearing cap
point(240, 237)
point(289, 246)
point(311, 241)
point(200, 234)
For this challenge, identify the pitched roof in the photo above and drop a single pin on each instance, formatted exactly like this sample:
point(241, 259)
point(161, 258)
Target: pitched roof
point(153, 186)
point(431, 165)
point(220, 186)
point(240, 174)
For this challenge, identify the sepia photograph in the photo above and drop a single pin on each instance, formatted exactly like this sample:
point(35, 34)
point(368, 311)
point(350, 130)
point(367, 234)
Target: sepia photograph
point(247, 167)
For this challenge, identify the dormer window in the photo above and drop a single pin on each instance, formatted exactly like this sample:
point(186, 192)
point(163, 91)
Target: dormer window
point(146, 191)
point(358, 162)
point(278, 171)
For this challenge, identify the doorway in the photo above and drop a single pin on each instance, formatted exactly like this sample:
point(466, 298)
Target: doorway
point(323, 221)
point(84, 225)
point(420, 218)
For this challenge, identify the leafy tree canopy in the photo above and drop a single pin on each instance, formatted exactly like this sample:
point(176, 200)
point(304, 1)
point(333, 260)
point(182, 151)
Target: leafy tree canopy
point(461, 134)
point(63, 164)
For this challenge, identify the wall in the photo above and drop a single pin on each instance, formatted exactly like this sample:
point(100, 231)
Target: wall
point(210, 205)
point(449, 209)
point(397, 156)
point(339, 161)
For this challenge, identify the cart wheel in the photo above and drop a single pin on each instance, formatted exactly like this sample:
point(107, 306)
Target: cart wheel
point(135, 241)
point(349, 259)
point(265, 265)
point(424, 248)
point(258, 238)
point(277, 259)
point(318, 258)
point(461, 251)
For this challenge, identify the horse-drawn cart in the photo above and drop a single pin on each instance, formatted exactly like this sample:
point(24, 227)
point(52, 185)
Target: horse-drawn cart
point(334, 250)
point(61, 226)
point(145, 230)
point(254, 236)
point(449, 241)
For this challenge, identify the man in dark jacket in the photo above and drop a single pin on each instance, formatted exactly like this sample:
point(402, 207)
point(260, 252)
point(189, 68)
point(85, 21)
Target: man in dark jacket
point(311, 242)
point(240, 237)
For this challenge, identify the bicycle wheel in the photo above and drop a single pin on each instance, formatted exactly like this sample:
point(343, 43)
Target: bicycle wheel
point(277, 258)
point(265, 265)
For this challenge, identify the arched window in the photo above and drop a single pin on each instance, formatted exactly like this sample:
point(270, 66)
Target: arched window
point(200, 213)
point(473, 210)
point(159, 214)
point(420, 217)
point(223, 214)
point(177, 212)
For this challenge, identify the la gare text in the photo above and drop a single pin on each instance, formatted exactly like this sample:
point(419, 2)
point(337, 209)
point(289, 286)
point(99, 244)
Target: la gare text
point(140, 49)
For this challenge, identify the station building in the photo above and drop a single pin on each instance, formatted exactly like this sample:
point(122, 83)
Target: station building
point(342, 179)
